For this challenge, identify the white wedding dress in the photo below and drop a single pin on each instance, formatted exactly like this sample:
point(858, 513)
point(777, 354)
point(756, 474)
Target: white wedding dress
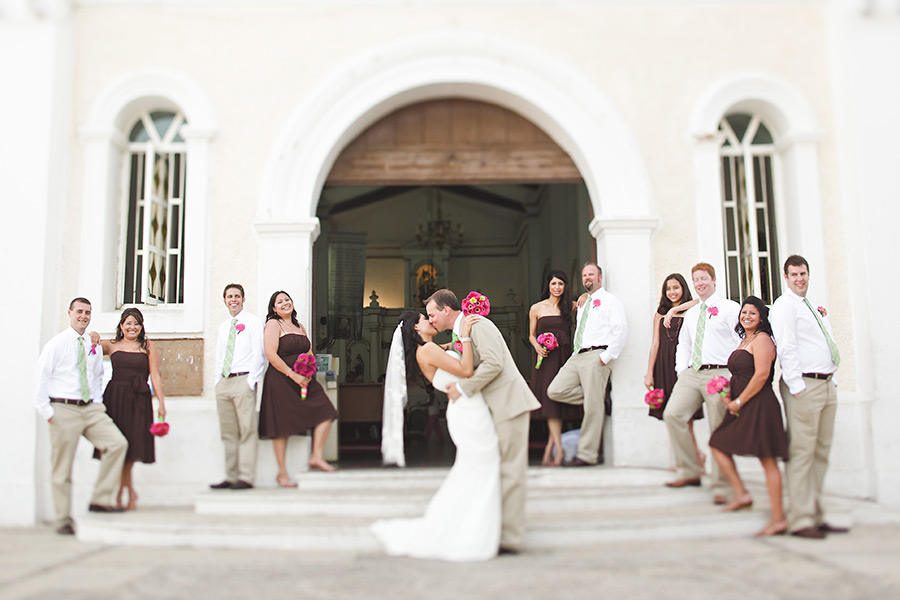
point(462, 521)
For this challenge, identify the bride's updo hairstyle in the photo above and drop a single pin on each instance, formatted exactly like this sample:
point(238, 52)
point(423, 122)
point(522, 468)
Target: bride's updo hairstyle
point(411, 342)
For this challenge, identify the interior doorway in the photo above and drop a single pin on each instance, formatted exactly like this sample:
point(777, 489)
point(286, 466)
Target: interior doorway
point(447, 193)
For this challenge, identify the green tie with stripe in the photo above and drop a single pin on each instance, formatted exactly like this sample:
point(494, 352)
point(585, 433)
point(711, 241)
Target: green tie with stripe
point(581, 323)
point(229, 349)
point(832, 347)
point(82, 371)
point(697, 355)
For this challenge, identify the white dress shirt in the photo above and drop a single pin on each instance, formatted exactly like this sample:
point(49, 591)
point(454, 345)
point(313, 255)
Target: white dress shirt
point(57, 376)
point(606, 325)
point(799, 341)
point(719, 337)
point(249, 353)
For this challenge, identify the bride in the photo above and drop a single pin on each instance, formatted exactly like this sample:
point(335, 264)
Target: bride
point(462, 521)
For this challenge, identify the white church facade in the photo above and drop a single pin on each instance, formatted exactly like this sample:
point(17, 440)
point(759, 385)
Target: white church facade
point(156, 151)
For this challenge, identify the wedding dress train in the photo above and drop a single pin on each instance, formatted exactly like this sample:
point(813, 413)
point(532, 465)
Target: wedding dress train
point(462, 521)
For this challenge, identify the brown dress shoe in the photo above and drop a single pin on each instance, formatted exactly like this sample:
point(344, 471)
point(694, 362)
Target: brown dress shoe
point(240, 484)
point(811, 533)
point(826, 528)
point(105, 509)
point(680, 483)
point(577, 462)
point(66, 529)
point(225, 485)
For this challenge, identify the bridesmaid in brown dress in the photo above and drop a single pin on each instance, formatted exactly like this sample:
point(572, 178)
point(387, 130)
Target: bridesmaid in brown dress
point(674, 300)
point(753, 425)
point(127, 397)
point(552, 314)
point(283, 412)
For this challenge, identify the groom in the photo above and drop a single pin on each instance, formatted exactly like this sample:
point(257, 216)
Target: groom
point(509, 399)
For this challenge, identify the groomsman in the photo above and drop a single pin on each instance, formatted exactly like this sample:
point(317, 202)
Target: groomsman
point(706, 341)
point(599, 339)
point(809, 357)
point(68, 393)
point(240, 360)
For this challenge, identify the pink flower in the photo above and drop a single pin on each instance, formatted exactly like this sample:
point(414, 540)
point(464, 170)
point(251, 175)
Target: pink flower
point(654, 398)
point(822, 311)
point(476, 304)
point(548, 341)
point(716, 385)
point(305, 365)
point(596, 302)
point(239, 327)
point(93, 349)
point(712, 310)
point(159, 429)
point(457, 346)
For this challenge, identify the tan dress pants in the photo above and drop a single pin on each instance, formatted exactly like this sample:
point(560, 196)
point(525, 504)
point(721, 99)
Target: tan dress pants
point(810, 416)
point(582, 380)
point(69, 423)
point(688, 395)
point(513, 439)
point(238, 426)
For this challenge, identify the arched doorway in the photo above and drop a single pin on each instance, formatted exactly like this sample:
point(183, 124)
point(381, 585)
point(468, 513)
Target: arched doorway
point(549, 93)
point(451, 193)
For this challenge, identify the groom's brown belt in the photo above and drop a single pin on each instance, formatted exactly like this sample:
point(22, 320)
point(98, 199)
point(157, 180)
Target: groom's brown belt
point(74, 401)
point(707, 367)
point(592, 348)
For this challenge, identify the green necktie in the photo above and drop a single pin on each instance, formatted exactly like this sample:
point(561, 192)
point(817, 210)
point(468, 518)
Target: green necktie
point(697, 356)
point(832, 347)
point(82, 371)
point(581, 323)
point(229, 349)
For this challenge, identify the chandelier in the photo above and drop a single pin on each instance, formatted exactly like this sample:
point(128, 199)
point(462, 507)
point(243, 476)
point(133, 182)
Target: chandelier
point(439, 232)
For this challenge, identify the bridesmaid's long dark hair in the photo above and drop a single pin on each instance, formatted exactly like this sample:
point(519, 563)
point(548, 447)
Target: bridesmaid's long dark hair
point(142, 336)
point(411, 342)
point(565, 301)
point(272, 314)
point(664, 303)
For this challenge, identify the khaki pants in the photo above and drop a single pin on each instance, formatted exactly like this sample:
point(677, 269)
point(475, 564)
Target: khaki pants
point(238, 425)
point(513, 438)
point(69, 423)
point(810, 416)
point(582, 380)
point(687, 396)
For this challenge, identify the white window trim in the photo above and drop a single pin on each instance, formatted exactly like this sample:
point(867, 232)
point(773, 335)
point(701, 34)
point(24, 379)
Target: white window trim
point(791, 120)
point(103, 137)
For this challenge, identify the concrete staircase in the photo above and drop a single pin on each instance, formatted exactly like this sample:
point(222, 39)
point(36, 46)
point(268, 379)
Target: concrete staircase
point(332, 511)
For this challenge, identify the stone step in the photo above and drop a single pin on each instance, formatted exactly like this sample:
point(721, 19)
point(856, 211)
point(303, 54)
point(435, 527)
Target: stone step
point(332, 511)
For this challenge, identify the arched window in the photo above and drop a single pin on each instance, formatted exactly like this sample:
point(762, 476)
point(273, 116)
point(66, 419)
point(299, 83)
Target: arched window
point(748, 208)
point(152, 271)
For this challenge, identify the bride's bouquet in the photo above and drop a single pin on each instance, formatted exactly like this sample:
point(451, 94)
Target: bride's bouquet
point(305, 365)
point(548, 341)
point(476, 304)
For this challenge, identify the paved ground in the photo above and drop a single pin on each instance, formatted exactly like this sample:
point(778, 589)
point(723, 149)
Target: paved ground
point(37, 563)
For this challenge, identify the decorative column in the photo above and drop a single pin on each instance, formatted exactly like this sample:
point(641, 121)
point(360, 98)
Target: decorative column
point(625, 253)
point(285, 262)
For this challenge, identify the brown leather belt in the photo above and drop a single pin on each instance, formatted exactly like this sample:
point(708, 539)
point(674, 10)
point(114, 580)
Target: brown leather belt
point(238, 374)
point(820, 376)
point(708, 367)
point(592, 348)
point(74, 401)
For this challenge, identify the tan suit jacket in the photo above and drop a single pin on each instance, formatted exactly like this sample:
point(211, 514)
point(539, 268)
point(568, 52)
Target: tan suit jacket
point(496, 375)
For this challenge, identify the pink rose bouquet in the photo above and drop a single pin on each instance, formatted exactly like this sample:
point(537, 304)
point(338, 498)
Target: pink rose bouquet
point(654, 398)
point(548, 341)
point(305, 366)
point(476, 304)
point(160, 429)
point(719, 385)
